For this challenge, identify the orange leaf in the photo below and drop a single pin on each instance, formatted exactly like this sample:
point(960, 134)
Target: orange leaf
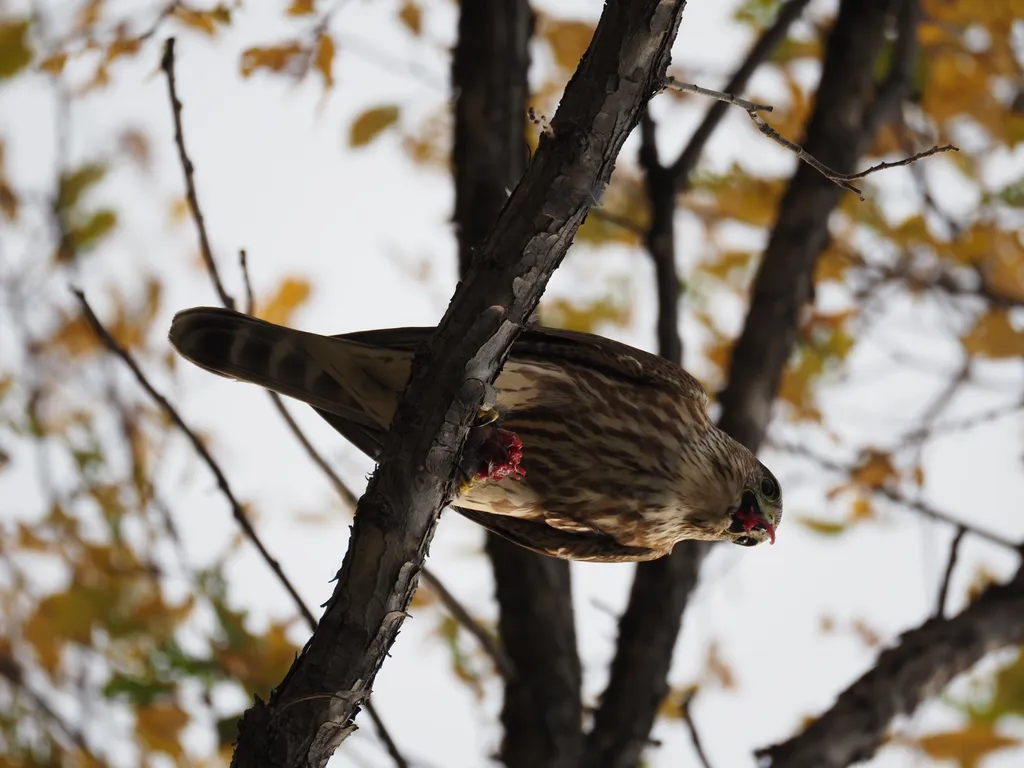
point(301, 7)
point(54, 65)
point(324, 60)
point(967, 747)
point(875, 470)
point(994, 336)
point(371, 123)
point(291, 294)
point(568, 40)
point(275, 58)
point(159, 726)
point(411, 15)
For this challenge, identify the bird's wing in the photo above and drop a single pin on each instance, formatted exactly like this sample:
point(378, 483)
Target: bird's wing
point(553, 345)
point(540, 537)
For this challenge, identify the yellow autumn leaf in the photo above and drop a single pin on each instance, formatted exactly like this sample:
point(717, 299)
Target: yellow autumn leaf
point(371, 123)
point(54, 65)
point(159, 726)
point(568, 40)
point(301, 7)
point(290, 295)
point(411, 15)
point(822, 527)
point(875, 470)
point(585, 316)
point(994, 336)
point(276, 58)
point(15, 53)
point(967, 746)
point(324, 59)
point(861, 509)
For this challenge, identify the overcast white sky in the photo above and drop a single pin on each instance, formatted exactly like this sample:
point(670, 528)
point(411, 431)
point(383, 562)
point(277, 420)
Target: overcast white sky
point(276, 177)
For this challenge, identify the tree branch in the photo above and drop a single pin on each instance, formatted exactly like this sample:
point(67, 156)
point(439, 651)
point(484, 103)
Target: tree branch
point(692, 730)
point(648, 629)
point(311, 712)
point(954, 552)
point(682, 169)
point(542, 711)
point(167, 65)
point(237, 510)
point(924, 662)
point(222, 483)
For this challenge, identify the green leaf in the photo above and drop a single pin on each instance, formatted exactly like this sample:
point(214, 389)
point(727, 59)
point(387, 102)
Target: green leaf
point(15, 53)
point(75, 183)
point(95, 229)
point(1013, 194)
point(137, 691)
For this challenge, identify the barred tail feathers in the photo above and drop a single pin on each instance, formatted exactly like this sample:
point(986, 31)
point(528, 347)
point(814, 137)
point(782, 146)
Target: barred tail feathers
point(352, 380)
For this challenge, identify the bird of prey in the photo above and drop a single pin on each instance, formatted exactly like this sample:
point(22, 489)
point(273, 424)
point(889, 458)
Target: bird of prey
point(600, 451)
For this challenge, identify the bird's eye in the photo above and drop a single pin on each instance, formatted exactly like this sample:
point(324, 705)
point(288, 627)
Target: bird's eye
point(745, 541)
point(769, 488)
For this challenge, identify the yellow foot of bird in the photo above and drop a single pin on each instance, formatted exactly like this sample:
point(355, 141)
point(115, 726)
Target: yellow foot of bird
point(486, 416)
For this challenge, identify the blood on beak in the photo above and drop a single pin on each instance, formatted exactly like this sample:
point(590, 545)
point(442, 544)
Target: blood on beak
point(749, 517)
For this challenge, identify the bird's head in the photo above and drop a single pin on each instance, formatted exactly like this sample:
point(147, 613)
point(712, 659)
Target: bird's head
point(755, 515)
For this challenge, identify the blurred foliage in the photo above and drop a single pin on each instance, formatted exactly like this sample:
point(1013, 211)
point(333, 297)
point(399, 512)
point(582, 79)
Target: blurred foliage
point(87, 613)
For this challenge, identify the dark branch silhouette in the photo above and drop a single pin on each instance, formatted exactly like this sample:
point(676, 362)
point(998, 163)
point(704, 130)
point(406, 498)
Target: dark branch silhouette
point(311, 712)
point(542, 711)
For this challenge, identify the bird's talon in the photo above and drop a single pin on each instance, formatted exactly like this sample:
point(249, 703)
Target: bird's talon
point(486, 416)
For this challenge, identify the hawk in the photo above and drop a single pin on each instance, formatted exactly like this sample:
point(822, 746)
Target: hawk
point(594, 451)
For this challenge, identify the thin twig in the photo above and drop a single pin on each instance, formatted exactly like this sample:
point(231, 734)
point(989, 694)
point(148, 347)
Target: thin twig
point(728, 98)
point(237, 510)
point(898, 163)
point(892, 495)
point(11, 670)
point(250, 298)
point(458, 611)
point(167, 64)
point(682, 168)
point(954, 552)
point(684, 706)
point(841, 180)
point(236, 507)
point(385, 735)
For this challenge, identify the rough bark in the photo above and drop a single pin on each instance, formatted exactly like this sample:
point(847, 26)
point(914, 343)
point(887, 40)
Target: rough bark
point(843, 124)
point(924, 662)
point(542, 712)
point(312, 711)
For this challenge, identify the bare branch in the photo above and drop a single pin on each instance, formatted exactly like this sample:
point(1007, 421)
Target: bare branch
point(459, 612)
point(929, 511)
point(728, 98)
point(236, 507)
point(396, 518)
point(954, 551)
point(769, 40)
point(222, 483)
point(925, 661)
point(841, 180)
point(11, 671)
point(898, 163)
point(167, 64)
point(694, 735)
point(250, 298)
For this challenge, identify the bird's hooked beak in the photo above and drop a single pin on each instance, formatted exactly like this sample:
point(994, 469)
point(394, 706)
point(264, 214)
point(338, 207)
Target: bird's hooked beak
point(749, 517)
